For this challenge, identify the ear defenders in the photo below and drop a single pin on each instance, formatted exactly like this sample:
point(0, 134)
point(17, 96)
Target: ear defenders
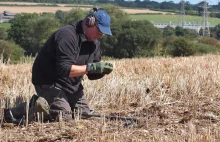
point(91, 19)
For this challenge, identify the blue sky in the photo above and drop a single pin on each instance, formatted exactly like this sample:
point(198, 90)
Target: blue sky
point(211, 2)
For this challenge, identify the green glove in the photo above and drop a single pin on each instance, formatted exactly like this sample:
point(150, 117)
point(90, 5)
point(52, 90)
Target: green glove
point(99, 67)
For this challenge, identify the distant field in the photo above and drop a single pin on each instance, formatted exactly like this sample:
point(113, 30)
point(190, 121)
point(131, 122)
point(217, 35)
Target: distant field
point(64, 7)
point(37, 9)
point(173, 19)
point(7, 25)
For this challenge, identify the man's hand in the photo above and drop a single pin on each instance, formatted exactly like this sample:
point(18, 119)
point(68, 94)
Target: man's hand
point(99, 67)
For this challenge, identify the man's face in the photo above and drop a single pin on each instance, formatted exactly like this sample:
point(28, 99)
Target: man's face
point(93, 33)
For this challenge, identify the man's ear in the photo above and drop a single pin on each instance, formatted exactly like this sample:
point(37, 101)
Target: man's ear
point(90, 21)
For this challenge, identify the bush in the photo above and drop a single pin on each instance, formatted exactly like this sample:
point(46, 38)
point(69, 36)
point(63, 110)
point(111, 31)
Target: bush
point(3, 33)
point(202, 48)
point(168, 31)
point(177, 46)
point(11, 51)
point(17, 52)
point(209, 41)
point(166, 45)
point(182, 47)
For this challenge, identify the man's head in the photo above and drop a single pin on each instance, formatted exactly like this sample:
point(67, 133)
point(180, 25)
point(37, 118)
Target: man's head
point(96, 24)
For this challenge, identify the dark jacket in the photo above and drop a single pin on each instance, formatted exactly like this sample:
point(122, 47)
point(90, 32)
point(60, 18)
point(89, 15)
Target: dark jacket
point(65, 47)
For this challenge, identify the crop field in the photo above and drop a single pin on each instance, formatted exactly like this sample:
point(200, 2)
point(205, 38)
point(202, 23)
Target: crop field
point(33, 7)
point(174, 19)
point(174, 99)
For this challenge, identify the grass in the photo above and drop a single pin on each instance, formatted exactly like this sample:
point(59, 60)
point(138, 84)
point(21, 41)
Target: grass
point(174, 19)
point(175, 99)
point(5, 25)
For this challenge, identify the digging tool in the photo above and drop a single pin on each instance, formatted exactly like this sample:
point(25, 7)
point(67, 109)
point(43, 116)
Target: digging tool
point(129, 121)
point(16, 115)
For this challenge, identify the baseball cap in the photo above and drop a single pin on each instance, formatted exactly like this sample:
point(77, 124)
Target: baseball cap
point(103, 21)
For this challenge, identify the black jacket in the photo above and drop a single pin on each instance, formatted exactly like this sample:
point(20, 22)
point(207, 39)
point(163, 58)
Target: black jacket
point(65, 47)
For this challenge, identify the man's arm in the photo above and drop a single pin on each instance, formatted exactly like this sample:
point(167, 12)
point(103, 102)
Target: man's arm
point(66, 54)
point(77, 70)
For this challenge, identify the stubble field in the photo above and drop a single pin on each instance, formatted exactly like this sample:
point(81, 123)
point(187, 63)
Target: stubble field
point(174, 99)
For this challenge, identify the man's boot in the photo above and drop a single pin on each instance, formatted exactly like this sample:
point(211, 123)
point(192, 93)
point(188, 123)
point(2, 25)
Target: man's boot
point(17, 115)
point(9, 118)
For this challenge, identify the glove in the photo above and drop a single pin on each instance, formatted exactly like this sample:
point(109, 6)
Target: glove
point(95, 76)
point(99, 67)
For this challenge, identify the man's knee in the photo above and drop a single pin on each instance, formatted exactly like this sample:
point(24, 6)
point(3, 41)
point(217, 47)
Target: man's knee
point(58, 105)
point(60, 110)
point(42, 107)
point(79, 104)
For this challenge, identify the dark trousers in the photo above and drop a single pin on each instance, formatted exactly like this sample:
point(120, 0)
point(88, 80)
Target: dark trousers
point(63, 103)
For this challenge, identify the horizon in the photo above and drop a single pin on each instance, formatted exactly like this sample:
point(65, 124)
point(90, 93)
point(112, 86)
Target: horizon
point(210, 2)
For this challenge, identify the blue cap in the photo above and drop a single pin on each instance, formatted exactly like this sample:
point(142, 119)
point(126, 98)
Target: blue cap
point(103, 20)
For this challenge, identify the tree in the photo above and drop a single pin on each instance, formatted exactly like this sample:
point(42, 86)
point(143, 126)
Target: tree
point(168, 5)
point(168, 31)
point(19, 31)
point(116, 13)
point(108, 43)
point(190, 34)
point(137, 39)
point(73, 16)
point(218, 6)
point(60, 15)
point(217, 31)
point(39, 31)
point(179, 31)
point(30, 31)
point(200, 8)
point(188, 6)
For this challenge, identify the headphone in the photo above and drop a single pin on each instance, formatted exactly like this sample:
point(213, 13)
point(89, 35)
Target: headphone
point(91, 19)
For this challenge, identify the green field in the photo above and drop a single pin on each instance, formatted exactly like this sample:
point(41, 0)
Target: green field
point(174, 19)
point(6, 25)
point(161, 19)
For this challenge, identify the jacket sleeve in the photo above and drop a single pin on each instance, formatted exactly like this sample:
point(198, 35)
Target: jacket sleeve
point(66, 53)
point(97, 58)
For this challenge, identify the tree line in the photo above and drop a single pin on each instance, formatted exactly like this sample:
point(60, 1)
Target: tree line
point(28, 33)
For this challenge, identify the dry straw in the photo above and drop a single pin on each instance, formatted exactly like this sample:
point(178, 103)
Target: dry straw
point(176, 98)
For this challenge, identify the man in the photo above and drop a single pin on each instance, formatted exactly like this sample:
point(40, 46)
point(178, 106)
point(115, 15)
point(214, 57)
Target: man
point(68, 54)
point(71, 52)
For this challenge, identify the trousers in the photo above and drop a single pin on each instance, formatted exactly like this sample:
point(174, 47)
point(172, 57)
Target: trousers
point(62, 103)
